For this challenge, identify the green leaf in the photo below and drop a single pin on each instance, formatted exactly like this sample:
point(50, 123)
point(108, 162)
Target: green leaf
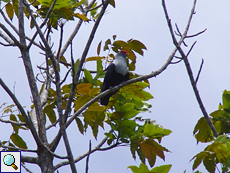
point(21, 118)
point(48, 110)
point(119, 44)
point(202, 131)
point(209, 164)
point(18, 141)
point(221, 138)
point(9, 10)
point(112, 2)
point(199, 157)
point(88, 75)
point(108, 42)
point(161, 169)
point(15, 6)
point(6, 1)
point(129, 111)
point(137, 46)
point(151, 131)
point(226, 100)
point(16, 127)
point(99, 66)
point(135, 169)
point(141, 155)
point(80, 125)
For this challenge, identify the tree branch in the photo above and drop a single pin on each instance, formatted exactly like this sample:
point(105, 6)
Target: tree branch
point(16, 42)
point(13, 122)
point(87, 159)
point(83, 155)
point(198, 75)
point(189, 70)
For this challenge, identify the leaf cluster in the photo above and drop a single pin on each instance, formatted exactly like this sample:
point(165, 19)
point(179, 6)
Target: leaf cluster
point(219, 150)
point(144, 169)
point(15, 139)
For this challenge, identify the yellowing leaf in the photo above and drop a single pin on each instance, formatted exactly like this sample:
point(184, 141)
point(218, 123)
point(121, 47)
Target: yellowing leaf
point(94, 91)
point(96, 107)
point(149, 153)
point(81, 101)
point(94, 58)
point(84, 88)
point(9, 10)
point(99, 48)
point(81, 16)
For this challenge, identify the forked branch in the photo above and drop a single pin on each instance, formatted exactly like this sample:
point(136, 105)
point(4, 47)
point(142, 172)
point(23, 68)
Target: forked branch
point(186, 61)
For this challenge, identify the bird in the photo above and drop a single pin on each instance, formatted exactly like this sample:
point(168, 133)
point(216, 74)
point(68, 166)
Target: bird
point(117, 72)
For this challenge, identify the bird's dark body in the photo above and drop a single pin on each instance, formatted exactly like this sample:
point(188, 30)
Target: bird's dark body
point(112, 78)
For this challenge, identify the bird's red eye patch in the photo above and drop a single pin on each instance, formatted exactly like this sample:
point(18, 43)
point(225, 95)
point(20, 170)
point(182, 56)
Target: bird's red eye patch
point(124, 52)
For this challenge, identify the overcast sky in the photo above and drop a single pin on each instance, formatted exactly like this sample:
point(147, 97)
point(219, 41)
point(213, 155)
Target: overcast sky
point(174, 103)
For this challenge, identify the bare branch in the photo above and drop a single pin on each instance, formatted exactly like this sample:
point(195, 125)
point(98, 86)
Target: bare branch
point(191, 48)
point(198, 75)
point(13, 122)
point(75, 31)
point(189, 70)
point(16, 42)
point(84, 54)
point(24, 166)
point(194, 35)
point(7, 39)
point(83, 155)
point(43, 23)
point(29, 159)
point(16, 30)
point(87, 159)
point(60, 42)
point(19, 149)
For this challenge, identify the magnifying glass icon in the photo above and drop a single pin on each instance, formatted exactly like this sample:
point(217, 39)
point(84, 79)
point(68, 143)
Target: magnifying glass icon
point(9, 160)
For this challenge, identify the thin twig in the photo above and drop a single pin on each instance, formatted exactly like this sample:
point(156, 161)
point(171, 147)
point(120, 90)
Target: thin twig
point(191, 48)
point(18, 149)
point(24, 166)
point(194, 35)
point(43, 23)
point(16, 42)
point(87, 158)
point(66, 75)
point(198, 75)
point(75, 31)
point(83, 155)
point(13, 122)
point(60, 42)
point(84, 54)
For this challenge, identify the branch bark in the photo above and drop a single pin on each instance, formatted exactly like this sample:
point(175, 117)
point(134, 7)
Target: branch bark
point(187, 65)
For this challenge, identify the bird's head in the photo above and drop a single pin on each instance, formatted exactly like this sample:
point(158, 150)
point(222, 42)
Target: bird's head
point(124, 52)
